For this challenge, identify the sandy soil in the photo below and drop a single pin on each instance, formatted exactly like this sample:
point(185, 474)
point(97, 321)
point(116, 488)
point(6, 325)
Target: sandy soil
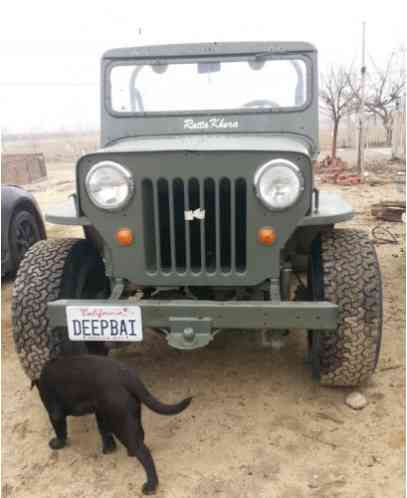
point(258, 426)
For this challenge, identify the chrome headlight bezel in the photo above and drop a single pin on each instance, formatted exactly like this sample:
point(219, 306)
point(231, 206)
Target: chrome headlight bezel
point(123, 171)
point(272, 164)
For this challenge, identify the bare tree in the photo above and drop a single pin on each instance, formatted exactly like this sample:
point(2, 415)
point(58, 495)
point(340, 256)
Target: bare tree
point(337, 99)
point(385, 86)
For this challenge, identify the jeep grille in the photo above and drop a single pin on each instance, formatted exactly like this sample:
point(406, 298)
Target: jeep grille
point(216, 244)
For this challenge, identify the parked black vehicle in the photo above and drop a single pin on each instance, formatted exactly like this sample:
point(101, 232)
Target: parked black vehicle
point(21, 226)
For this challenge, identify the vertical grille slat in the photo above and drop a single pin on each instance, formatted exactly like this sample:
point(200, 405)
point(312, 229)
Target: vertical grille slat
point(202, 224)
point(215, 244)
point(150, 244)
point(164, 224)
point(225, 221)
point(195, 225)
point(179, 224)
point(157, 225)
point(241, 223)
point(210, 225)
point(217, 230)
point(172, 225)
point(232, 227)
point(187, 229)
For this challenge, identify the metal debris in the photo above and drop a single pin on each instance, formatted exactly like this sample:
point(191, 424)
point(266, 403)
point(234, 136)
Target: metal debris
point(382, 235)
point(389, 210)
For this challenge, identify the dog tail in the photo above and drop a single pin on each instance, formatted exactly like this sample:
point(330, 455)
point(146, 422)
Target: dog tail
point(137, 388)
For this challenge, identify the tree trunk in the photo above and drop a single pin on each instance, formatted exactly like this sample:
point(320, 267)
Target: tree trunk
point(389, 134)
point(388, 128)
point(334, 139)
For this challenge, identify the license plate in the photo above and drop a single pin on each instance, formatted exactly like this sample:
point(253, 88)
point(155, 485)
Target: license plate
point(104, 323)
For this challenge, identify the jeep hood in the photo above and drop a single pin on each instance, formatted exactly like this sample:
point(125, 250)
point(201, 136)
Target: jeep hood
point(211, 142)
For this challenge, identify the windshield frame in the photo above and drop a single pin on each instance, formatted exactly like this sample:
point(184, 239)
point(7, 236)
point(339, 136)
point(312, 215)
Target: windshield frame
point(300, 56)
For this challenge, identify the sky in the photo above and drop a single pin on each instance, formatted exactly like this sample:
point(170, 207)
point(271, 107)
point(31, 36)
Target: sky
point(50, 51)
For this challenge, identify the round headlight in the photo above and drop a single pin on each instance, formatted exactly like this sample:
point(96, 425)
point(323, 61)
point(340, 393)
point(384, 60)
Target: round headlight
point(109, 185)
point(279, 184)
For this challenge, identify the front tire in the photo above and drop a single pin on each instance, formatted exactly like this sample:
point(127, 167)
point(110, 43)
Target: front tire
point(51, 270)
point(345, 271)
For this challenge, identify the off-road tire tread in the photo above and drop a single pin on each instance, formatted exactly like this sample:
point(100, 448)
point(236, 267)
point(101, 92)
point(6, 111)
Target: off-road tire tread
point(38, 282)
point(352, 280)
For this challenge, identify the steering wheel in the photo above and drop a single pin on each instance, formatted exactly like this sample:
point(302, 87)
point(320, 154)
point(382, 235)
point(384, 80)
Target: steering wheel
point(261, 103)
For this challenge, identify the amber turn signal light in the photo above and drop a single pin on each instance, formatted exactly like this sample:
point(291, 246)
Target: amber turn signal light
point(266, 236)
point(124, 237)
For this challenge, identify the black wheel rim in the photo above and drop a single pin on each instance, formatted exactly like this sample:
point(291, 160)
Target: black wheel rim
point(25, 237)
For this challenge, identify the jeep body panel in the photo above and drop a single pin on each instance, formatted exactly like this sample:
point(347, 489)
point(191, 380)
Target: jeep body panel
point(302, 121)
point(218, 142)
point(207, 317)
point(332, 209)
point(186, 162)
point(156, 216)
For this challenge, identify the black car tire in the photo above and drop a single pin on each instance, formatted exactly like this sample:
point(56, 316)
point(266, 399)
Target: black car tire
point(24, 233)
point(51, 270)
point(349, 276)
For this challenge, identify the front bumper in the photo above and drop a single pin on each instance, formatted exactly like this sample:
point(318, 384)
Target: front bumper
point(203, 317)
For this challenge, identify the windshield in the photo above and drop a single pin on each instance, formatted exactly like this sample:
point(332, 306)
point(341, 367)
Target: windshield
point(205, 86)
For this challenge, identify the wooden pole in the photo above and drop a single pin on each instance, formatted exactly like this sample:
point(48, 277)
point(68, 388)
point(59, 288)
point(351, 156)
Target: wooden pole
point(361, 141)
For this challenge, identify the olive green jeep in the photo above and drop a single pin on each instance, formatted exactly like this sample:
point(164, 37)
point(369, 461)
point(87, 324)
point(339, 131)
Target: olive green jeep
point(200, 215)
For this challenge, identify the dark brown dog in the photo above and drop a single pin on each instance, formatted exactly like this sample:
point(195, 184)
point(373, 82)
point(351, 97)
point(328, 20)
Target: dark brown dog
point(83, 384)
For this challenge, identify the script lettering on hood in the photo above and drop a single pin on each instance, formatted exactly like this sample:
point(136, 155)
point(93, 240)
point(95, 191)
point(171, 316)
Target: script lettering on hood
point(212, 123)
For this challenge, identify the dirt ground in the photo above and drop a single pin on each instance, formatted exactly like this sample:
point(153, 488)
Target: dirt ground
point(258, 426)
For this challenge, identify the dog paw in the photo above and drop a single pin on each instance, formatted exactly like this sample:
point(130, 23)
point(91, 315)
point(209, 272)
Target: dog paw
point(109, 446)
point(56, 443)
point(149, 489)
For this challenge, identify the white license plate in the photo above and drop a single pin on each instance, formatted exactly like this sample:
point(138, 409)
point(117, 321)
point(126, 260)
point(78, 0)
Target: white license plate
point(104, 323)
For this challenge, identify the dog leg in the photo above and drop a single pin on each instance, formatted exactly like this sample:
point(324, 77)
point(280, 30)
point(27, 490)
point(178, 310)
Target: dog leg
point(108, 442)
point(58, 421)
point(56, 415)
point(131, 435)
point(142, 453)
